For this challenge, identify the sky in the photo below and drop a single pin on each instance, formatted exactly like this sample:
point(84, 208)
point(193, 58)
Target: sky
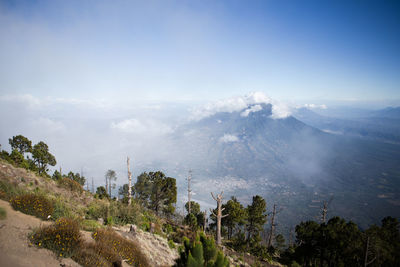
point(198, 51)
point(100, 80)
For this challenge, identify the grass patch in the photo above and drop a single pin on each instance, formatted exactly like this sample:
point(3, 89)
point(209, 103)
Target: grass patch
point(70, 185)
point(3, 213)
point(61, 209)
point(90, 225)
point(126, 249)
point(62, 237)
point(8, 190)
point(36, 205)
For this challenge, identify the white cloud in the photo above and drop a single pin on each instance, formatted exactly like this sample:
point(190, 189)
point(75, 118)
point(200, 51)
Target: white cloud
point(25, 99)
point(254, 108)
point(49, 125)
point(315, 106)
point(251, 102)
point(229, 138)
point(137, 126)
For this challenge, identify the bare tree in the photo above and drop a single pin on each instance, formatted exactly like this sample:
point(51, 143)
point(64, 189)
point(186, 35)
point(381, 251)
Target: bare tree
point(218, 215)
point(272, 229)
point(189, 191)
point(324, 209)
point(129, 183)
point(205, 221)
point(366, 262)
point(110, 175)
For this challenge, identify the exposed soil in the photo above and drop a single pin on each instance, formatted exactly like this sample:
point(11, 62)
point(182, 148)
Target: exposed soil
point(15, 248)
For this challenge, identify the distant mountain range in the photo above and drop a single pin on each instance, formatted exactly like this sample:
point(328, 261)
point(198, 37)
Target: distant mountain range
point(296, 162)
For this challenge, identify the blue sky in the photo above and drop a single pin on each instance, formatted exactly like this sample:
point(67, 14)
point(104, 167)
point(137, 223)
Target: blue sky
point(186, 51)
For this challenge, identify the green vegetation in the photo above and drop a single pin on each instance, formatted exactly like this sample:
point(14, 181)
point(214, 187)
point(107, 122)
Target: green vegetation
point(70, 185)
point(201, 252)
point(63, 237)
point(36, 205)
point(342, 243)
point(157, 192)
point(126, 249)
point(3, 213)
point(335, 243)
point(8, 190)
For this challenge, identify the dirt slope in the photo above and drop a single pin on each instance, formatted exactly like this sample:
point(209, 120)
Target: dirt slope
point(15, 249)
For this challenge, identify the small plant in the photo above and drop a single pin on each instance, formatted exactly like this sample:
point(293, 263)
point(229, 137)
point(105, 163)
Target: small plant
point(62, 237)
point(60, 209)
point(126, 249)
point(70, 185)
point(90, 225)
point(109, 221)
point(171, 244)
point(96, 211)
point(8, 190)
point(3, 213)
point(36, 205)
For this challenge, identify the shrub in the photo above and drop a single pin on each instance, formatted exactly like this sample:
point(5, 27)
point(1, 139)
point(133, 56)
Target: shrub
point(8, 190)
point(60, 209)
point(96, 254)
point(70, 185)
point(200, 252)
point(90, 225)
point(36, 205)
point(126, 249)
point(3, 213)
point(124, 213)
point(89, 257)
point(109, 221)
point(62, 237)
point(96, 210)
point(171, 244)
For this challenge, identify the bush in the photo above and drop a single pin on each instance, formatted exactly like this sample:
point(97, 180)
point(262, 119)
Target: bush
point(36, 205)
point(3, 213)
point(171, 244)
point(126, 249)
point(201, 252)
point(62, 237)
point(90, 225)
point(70, 185)
point(8, 190)
point(97, 255)
point(60, 209)
point(124, 213)
point(89, 258)
point(96, 210)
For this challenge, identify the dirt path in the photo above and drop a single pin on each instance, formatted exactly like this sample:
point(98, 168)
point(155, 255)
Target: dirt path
point(14, 244)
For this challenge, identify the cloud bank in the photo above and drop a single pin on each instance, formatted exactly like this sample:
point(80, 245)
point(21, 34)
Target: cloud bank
point(247, 104)
point(229, 138)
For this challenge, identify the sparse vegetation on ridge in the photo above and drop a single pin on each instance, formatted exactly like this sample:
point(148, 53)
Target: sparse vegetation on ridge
point(64, 200)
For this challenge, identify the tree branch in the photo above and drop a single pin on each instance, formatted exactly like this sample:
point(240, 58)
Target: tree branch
point(371, 261)
point(213, 196)
point(223, 216)
point(212, 212)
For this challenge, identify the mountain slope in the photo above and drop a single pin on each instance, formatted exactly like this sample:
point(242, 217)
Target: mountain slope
point(289, 163)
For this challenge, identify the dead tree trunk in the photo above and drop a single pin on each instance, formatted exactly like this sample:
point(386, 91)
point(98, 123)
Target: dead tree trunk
point(189, 191)
point(324, 212)
point(129, 183)
point(205, 221)
point(218, 215)
point(272, 229)
point(366, 262)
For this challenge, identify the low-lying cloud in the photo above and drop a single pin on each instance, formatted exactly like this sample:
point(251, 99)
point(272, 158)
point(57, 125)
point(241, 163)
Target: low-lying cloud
point(247, 104)
point(229, 138)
